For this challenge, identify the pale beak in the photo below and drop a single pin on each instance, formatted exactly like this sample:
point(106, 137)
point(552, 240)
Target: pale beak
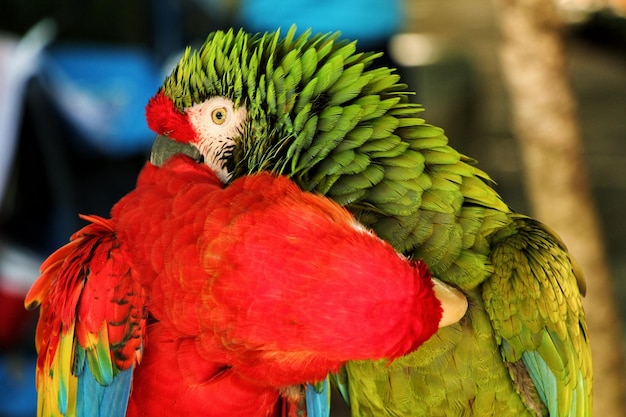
point(453, 302)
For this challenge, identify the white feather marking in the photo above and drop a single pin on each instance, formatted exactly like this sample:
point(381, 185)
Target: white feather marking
point(217, 123)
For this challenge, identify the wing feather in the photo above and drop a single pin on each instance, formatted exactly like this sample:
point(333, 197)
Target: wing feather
point(533, 269)
point(91, 326)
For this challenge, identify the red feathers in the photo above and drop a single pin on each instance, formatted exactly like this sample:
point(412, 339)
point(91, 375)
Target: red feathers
point(265, 286)
point(89, 283)
point(251, 288)
point(165, 119)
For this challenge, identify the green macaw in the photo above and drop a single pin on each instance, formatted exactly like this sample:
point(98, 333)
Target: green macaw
point(312, 108)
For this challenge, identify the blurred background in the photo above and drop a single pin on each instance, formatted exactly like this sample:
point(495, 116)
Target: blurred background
point(75, 76)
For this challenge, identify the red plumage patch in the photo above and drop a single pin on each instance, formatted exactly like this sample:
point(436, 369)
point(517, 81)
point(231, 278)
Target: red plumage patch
point(174, 379)
point(165, 119)
point(279, 284)
point(88, 286)
point(317, 291)
point(251, 288)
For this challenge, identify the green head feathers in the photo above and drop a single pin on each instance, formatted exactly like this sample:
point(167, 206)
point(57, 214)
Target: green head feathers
point(304, 94)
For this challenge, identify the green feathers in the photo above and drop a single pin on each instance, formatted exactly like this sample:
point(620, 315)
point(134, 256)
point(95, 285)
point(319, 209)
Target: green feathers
point(284, 82)
point(545, 325)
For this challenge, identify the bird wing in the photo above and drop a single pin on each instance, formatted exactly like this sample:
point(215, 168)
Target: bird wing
point(534, 303)
point(91, 327)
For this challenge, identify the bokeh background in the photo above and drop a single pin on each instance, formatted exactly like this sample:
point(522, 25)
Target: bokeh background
point(74, 76)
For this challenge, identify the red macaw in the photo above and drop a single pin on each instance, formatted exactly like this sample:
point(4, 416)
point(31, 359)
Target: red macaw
point(199, 299)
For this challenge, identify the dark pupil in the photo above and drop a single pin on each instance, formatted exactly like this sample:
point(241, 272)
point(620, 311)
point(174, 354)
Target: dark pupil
point(219, 115)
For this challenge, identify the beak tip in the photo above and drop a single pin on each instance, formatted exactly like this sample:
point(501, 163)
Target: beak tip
point(453, 302)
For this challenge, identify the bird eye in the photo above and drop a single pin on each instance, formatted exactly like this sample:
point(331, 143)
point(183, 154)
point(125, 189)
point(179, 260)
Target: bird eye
point(219, 115)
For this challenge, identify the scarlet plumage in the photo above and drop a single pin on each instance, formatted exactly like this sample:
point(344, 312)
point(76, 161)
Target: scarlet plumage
point(164, 118)
point(251, 288)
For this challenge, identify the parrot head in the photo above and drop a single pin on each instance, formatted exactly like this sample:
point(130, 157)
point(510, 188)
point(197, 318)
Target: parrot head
point(244, 103)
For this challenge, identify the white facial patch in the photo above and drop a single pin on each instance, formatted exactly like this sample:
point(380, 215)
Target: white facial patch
point(216, 123)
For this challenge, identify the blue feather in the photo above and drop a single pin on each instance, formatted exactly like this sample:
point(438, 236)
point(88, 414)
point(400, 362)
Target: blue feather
point(543, 378)
point(95, 400)
point(318, 399)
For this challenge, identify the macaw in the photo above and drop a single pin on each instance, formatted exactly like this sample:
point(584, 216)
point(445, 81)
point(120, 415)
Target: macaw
point(199, 299)
point(312, 108)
